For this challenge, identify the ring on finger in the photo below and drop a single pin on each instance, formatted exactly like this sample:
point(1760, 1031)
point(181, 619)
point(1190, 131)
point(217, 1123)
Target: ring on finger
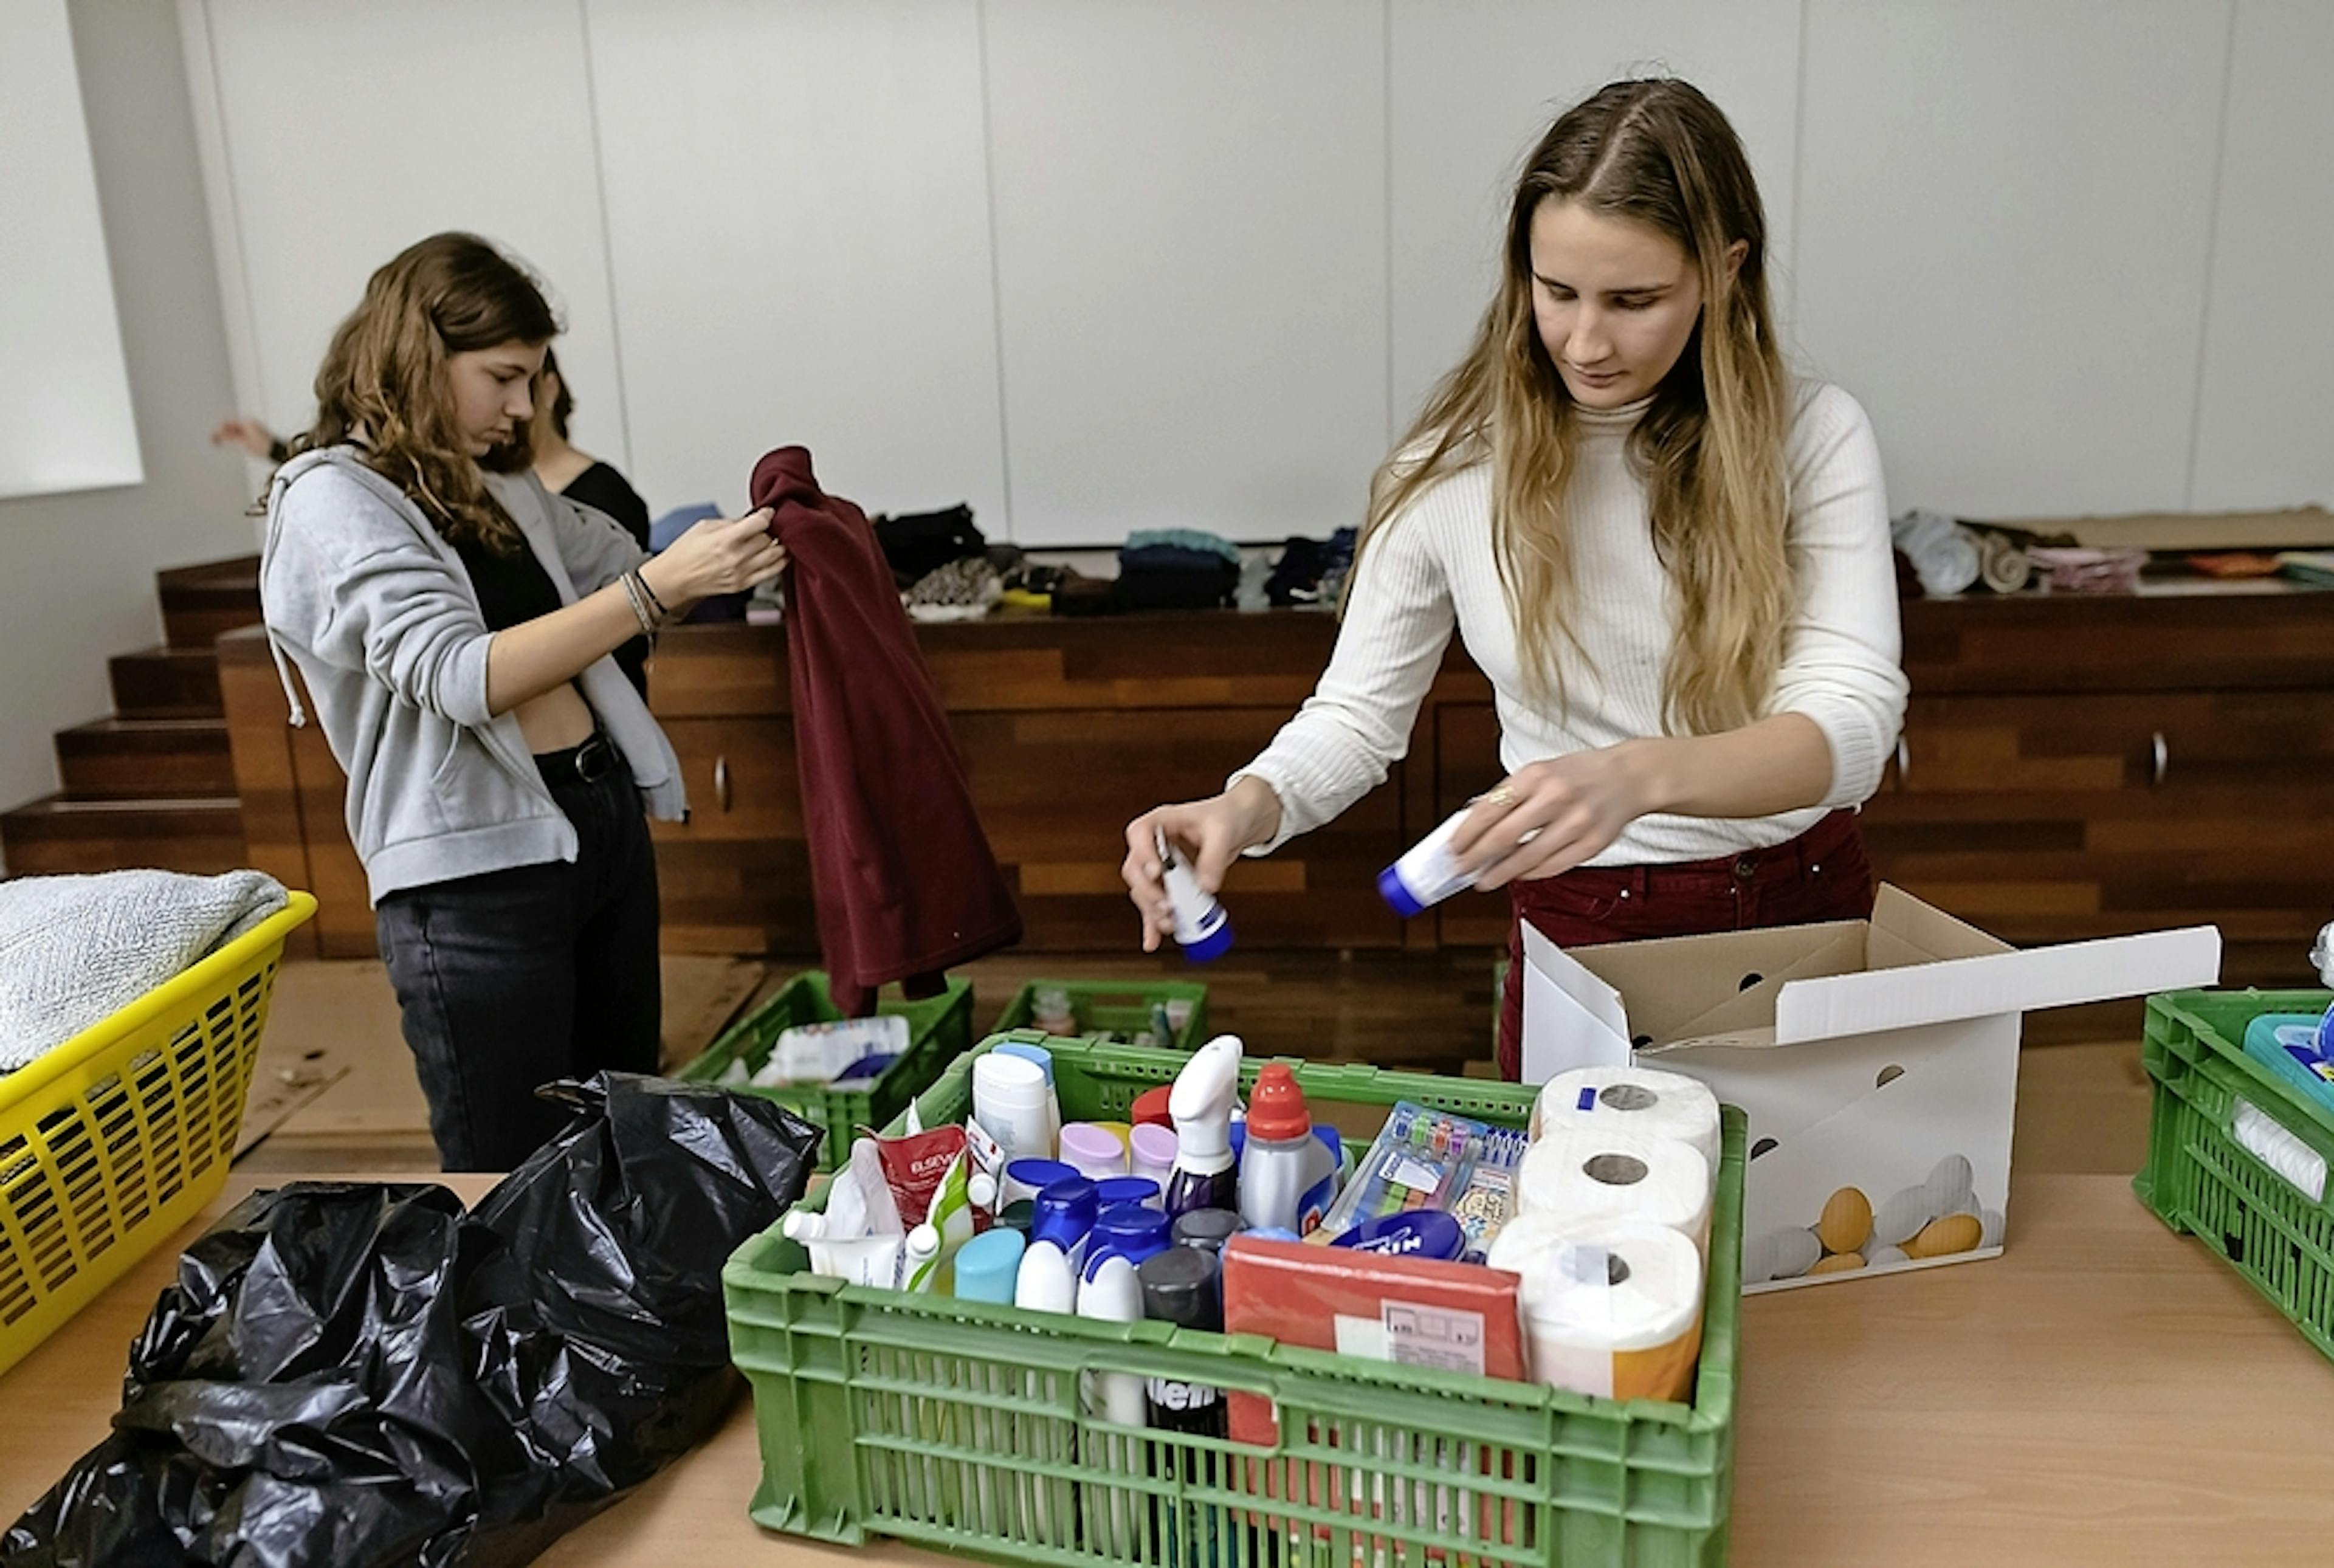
point(1501, 796)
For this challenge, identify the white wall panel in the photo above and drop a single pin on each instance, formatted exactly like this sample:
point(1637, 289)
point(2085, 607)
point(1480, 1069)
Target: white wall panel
point(1191, 229)
point(798, 217)
point(65, 418)
point(2004, 213)
point(2265, 430)
point(351, 130)
point(1475, 84)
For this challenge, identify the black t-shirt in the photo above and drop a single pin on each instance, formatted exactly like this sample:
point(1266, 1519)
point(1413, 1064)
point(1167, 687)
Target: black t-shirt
point(601, 486)
point(511, 588)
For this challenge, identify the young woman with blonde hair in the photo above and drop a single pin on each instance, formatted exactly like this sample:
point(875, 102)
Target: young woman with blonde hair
point(1670, 559)
point(452, 621)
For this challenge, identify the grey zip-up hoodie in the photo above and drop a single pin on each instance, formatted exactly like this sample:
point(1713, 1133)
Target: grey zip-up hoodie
point(377, 610)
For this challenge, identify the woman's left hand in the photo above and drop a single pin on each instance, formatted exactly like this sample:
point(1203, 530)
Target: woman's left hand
point(1547, 817)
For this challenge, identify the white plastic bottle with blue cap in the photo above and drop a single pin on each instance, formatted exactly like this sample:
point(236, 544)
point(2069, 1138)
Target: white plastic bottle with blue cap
point(1203, 929)
point(1429, 872)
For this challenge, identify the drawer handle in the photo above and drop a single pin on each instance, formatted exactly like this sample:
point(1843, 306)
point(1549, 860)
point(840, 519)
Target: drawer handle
point(1904, 762)
point(722, 780)
point(2159, 759)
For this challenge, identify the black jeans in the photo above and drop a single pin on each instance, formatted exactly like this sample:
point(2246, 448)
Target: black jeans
point(510, 979)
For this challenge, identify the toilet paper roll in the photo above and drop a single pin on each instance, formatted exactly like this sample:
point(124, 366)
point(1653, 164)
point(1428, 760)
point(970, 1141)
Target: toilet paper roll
point(1612, 1309)
point(1641, 1100)
point(1583, 1178)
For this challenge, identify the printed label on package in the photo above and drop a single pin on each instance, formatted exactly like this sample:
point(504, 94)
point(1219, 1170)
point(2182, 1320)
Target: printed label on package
point(1417, 1335)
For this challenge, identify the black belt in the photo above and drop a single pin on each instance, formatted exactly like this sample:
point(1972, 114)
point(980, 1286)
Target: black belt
point(590, 762)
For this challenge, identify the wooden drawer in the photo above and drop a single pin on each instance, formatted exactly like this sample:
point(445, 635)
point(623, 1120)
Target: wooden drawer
point(2053, 818)
point(742, 777)
point(2109, 642)
point(699, 671)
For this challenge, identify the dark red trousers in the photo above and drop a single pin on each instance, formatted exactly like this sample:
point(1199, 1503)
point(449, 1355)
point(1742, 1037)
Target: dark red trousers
point(1821, 875)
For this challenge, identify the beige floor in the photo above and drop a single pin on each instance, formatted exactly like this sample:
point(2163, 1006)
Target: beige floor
point(336, 1092)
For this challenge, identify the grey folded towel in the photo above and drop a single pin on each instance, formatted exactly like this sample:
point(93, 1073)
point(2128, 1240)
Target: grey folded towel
point(73, 950)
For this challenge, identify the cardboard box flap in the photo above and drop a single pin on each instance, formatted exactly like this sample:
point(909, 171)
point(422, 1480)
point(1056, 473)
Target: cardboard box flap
point(2016, 982)
point(1906, 931)
point(1672, 984)
point(1750, 1013)
point(1571, 1017)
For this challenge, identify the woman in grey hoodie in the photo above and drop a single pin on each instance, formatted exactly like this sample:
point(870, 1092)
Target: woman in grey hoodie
point(452, 621)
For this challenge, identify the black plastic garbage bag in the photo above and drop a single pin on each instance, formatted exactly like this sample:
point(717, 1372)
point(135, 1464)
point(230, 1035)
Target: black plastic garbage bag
point(360, 1374)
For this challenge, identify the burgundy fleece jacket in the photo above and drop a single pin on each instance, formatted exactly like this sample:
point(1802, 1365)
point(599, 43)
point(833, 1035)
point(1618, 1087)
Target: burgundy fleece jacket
point(905, 883)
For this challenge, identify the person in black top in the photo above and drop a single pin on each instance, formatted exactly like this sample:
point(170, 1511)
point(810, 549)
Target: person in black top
point(578, 475)
point(565, 470)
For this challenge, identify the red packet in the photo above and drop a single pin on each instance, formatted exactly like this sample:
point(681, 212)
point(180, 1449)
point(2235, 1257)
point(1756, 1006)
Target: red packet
point(1415, 1312)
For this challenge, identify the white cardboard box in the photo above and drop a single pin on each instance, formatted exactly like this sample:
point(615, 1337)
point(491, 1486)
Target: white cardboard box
point(1876, 1055)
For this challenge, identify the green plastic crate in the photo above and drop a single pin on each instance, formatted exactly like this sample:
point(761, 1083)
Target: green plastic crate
point(940, 1029)
point(958, 1425)
point(1113, 1007)
point(2200, 1179)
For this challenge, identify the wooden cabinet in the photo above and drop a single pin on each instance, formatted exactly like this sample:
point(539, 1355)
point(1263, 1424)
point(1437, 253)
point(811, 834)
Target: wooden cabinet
point(2070, 767)
point(2078, 767)
point(1066, 730)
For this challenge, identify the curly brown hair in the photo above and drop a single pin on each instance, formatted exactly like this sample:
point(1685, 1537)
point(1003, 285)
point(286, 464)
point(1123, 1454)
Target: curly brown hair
point(382, 385)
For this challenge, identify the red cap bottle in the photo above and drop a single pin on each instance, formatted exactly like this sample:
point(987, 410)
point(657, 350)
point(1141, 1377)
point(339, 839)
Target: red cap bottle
point(1275, 1110)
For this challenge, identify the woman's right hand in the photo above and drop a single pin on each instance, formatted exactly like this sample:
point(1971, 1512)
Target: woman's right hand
point(718, 556)
point(1209, 834)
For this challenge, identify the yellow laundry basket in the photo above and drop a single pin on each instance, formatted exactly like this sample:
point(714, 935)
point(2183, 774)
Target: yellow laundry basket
point(117, 1138)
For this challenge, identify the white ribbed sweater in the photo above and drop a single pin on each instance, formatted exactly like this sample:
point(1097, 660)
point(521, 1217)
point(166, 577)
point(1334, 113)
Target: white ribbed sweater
point(1432, 569)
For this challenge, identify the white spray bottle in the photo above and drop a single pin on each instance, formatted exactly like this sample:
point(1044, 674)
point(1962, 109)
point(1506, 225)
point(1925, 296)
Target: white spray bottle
point(1201, 1104)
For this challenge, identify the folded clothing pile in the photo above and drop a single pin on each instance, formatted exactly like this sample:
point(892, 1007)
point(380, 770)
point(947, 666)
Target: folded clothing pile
point(75, 950)
point(1177, 569)
point(359, 1374)
point(963, 589)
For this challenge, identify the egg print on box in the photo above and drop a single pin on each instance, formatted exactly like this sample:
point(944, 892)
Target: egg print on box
point(1936, 1219)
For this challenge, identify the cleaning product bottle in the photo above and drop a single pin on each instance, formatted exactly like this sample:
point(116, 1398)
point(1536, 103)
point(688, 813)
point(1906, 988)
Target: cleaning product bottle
point(1285, 1174)
point(1203, 929)
point(1202, 1104)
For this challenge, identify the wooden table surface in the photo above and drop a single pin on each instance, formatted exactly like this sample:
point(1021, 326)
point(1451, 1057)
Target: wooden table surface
point(2104, 1393)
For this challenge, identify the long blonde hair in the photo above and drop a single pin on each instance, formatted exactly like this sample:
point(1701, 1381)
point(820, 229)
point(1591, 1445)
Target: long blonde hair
point(1710, 447)
point(385, 377)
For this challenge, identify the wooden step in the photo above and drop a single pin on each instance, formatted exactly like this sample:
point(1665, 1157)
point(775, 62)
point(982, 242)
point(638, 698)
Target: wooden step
point(167, 683)
point(60, 834)
point(199, 602)
point(130, 758)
